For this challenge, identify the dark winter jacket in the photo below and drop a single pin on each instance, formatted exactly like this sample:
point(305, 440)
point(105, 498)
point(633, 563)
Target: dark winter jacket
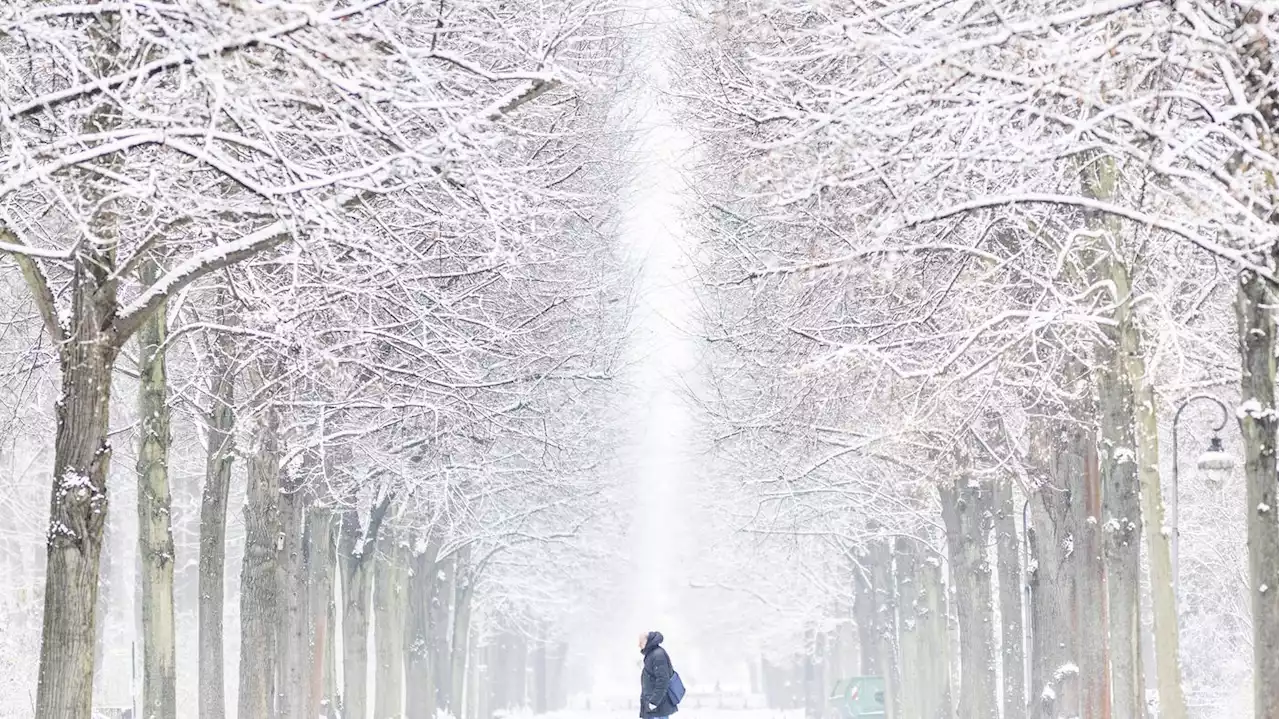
point(654, 680)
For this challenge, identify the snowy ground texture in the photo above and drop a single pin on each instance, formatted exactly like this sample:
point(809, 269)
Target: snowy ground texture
point(685, 713)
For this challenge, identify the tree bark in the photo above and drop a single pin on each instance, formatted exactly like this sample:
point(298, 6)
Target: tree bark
point(1009, 570)
point(389, 631)
point(813, 694)
point(356, 557)
point(78, 505)
point(1256, 313)
point(357, 585)
point(910, 631)
point(1173, 704)
point(88, 345)
point(540, 703)
point(260, 571)
point(967, 513)
point(213, 522)
point(106, 587)
point(936, 688)
point(886, 623)
point(441, 630)
point(464, 584)
point(1120, 510)
point(319, 548)
point(77, 512)
point(418, 639)
point(864, 612)
point(1057, 462)
point(155, 534)
point(292, 688)
point(1121, 528)
point(1095, 699)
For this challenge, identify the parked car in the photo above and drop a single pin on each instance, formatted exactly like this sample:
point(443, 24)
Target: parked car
point(857, 698)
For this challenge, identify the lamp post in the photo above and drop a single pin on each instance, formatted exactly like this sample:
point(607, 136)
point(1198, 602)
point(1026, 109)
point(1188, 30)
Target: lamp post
point(1213, 458)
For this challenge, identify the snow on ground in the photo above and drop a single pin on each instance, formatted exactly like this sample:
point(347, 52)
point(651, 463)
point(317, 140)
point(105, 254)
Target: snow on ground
point(685, 713)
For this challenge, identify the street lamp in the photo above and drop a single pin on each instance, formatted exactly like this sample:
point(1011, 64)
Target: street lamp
point(1214, 458)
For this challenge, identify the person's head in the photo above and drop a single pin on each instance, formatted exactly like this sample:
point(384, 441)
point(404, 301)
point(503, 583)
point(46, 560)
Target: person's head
point(644, 639)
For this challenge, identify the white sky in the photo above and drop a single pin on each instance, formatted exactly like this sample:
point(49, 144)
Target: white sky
point(660, 356)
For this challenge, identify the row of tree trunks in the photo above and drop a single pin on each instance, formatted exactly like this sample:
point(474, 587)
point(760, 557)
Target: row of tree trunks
point(900, 617)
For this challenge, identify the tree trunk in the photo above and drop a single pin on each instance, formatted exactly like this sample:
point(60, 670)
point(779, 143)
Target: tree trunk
point(319, 544)
point(471, 688)
point(1173, 704)
point(78, 505)
point(864, 612)
point(1054, 680)
point(1256, 312)
point(389, 631)
point(357, 587)
point(540, 704)
point(441, 630)
point(1116, 518)
point(292, 689)
point(88, 344)
point(418, 638)
point(155, 534)
point(260, 572)
point(1009, 570)
point(464, 580)
point(812, 665)
point(1095, 702)
point(106, 587)
point(886, 623)
point(966, 511)
point(910, 630)
point(936, 687)
point(1059, 450)
point(356, 557)
point(1121, 527)
point(213, 523)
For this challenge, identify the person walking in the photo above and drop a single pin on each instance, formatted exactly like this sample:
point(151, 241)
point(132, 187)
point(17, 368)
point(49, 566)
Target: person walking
point(655, 678)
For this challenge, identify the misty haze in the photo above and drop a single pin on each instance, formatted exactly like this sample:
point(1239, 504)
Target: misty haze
point(639, 359)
